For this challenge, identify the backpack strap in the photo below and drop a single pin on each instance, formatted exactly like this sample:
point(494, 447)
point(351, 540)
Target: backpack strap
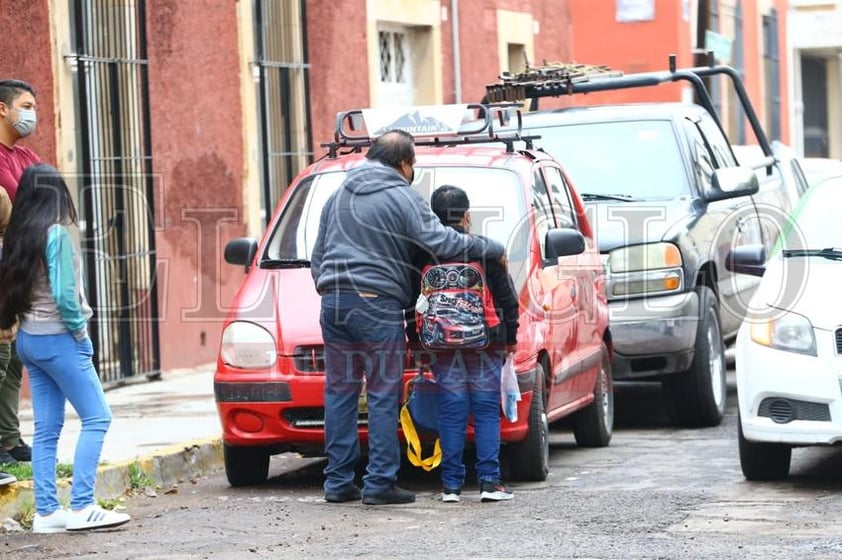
point(413, 442)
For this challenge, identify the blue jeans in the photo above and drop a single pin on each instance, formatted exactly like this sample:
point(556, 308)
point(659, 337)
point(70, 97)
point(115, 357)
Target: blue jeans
point(364, 339)
point(61, 369)
point(469, 383)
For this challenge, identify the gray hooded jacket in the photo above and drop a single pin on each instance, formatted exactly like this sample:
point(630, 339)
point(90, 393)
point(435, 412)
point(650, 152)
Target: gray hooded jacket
point(372, 230)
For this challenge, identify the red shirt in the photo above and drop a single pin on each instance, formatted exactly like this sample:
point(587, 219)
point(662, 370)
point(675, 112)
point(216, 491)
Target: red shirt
point(12, 163)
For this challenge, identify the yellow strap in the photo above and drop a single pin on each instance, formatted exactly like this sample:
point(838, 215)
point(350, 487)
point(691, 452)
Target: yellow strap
point(413, 444)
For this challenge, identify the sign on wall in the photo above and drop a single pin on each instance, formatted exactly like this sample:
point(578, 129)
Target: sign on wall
point(720, 45)
point(635, 10)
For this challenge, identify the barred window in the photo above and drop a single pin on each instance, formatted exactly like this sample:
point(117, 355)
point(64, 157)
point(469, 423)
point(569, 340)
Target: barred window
point(393, 57)
point(283, 93)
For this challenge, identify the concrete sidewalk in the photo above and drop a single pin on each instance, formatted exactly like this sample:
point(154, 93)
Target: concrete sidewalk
point(169, 429)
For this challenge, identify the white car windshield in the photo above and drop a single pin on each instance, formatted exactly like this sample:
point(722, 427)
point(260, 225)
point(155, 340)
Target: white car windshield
point(815, 220)
point(616, 158)
point(497, 206)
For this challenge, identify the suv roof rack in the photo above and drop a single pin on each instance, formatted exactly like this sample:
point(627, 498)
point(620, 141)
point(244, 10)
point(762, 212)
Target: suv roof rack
point(430, 125)
point(558, 78)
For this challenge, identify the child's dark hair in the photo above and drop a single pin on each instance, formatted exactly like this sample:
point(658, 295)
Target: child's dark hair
point(449, 203)
point(42, 201)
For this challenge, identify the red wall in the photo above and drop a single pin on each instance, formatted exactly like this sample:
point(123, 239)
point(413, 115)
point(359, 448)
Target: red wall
point(337, 49)
point(27, 55)
point(197, 150)
point(478, 41)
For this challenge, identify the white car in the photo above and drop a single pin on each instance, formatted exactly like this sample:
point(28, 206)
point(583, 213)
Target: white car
point(789, 347)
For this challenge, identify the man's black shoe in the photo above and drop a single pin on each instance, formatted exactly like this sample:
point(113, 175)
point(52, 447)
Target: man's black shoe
point(6, 458)
point(22, 452)
point(349, 494)
point(394, 495)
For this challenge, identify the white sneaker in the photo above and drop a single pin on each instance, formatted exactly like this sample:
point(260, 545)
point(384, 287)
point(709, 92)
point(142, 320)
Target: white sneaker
point(55, 522)
point(494, 491)
point(94, 517)
point(450, 495)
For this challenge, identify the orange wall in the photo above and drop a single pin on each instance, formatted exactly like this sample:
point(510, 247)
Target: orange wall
point(631, 47)
point(645, 46)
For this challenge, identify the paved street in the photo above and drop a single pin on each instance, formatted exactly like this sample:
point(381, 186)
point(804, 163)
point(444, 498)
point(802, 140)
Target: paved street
point(656, 492)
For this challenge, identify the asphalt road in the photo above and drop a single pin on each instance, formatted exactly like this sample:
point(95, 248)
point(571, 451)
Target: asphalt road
point(656, 492)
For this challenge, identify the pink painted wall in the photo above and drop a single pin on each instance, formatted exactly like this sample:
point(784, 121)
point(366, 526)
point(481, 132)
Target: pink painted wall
point(27, 56)
point(337, 48)
point(197, 150)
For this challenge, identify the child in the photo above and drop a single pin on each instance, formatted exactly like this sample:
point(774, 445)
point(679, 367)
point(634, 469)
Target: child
point(469, 380)
point(42, 288)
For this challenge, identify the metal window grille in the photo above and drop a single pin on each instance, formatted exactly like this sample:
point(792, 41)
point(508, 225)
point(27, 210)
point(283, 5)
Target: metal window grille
point(283, 93)
point(116, 210)
point(715, 81)
point(772, 73)
point(739, 65)
point(393, 57)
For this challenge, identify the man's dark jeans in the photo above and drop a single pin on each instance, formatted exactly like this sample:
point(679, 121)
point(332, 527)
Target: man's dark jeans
point(364, 339)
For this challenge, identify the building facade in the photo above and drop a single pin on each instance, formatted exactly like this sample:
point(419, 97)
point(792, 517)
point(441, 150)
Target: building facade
point(179, 123)
point(815, 31)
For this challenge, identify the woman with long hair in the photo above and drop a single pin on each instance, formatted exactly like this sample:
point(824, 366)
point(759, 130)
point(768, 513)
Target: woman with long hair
point(42, 288)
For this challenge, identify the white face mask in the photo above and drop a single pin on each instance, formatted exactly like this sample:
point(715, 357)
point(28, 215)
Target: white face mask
point(27, 119)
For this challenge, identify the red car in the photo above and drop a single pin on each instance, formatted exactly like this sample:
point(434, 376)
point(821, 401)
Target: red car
point(269, 380)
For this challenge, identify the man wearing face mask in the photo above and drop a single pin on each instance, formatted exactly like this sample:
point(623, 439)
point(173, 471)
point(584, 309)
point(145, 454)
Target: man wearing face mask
point(17, 120)
point(372, 230)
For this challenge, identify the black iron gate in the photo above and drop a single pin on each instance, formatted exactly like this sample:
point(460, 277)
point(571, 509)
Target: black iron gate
point(116, 186)
point(283, 93)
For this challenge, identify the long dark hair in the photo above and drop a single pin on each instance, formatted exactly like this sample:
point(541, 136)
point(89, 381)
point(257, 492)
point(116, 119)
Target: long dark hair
point(42, 200)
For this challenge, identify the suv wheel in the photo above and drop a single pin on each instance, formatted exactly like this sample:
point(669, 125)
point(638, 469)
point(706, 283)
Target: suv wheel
point(245, 466)
point(696, 398)
point(593, 426)
point(529, 459)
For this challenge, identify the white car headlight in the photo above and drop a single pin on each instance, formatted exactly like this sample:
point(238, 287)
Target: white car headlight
point(247, 345)
point(644, 269)
point(787, 331)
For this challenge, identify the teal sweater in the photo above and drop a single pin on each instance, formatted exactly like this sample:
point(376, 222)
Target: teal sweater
point(58, 300)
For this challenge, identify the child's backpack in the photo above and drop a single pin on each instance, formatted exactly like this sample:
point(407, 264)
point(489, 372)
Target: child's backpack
point(455, 308)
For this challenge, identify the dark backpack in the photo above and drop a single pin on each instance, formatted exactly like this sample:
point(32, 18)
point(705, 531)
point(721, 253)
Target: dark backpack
point(455, 308)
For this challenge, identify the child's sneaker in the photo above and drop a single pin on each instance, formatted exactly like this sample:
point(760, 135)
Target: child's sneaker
point(55, 522)
point(94, 517)
point(494, 491)
point(450, 495)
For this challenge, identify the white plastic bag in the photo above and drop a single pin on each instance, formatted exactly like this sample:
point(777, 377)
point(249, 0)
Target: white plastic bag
point(509, 391)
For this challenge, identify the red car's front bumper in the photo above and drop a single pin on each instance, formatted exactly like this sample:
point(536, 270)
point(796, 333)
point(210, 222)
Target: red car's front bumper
point(286, 412)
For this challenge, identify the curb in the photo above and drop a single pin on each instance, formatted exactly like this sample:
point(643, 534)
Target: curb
point(165, 467)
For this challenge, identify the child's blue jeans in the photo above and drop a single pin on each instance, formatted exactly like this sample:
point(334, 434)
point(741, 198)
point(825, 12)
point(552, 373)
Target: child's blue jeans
point(61, 369)
point(469, 385)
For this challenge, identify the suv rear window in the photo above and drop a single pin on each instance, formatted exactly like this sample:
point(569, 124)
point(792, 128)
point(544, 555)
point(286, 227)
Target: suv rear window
point(638, 159)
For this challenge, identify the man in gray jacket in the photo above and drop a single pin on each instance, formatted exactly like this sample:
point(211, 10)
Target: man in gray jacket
point(371, 232)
